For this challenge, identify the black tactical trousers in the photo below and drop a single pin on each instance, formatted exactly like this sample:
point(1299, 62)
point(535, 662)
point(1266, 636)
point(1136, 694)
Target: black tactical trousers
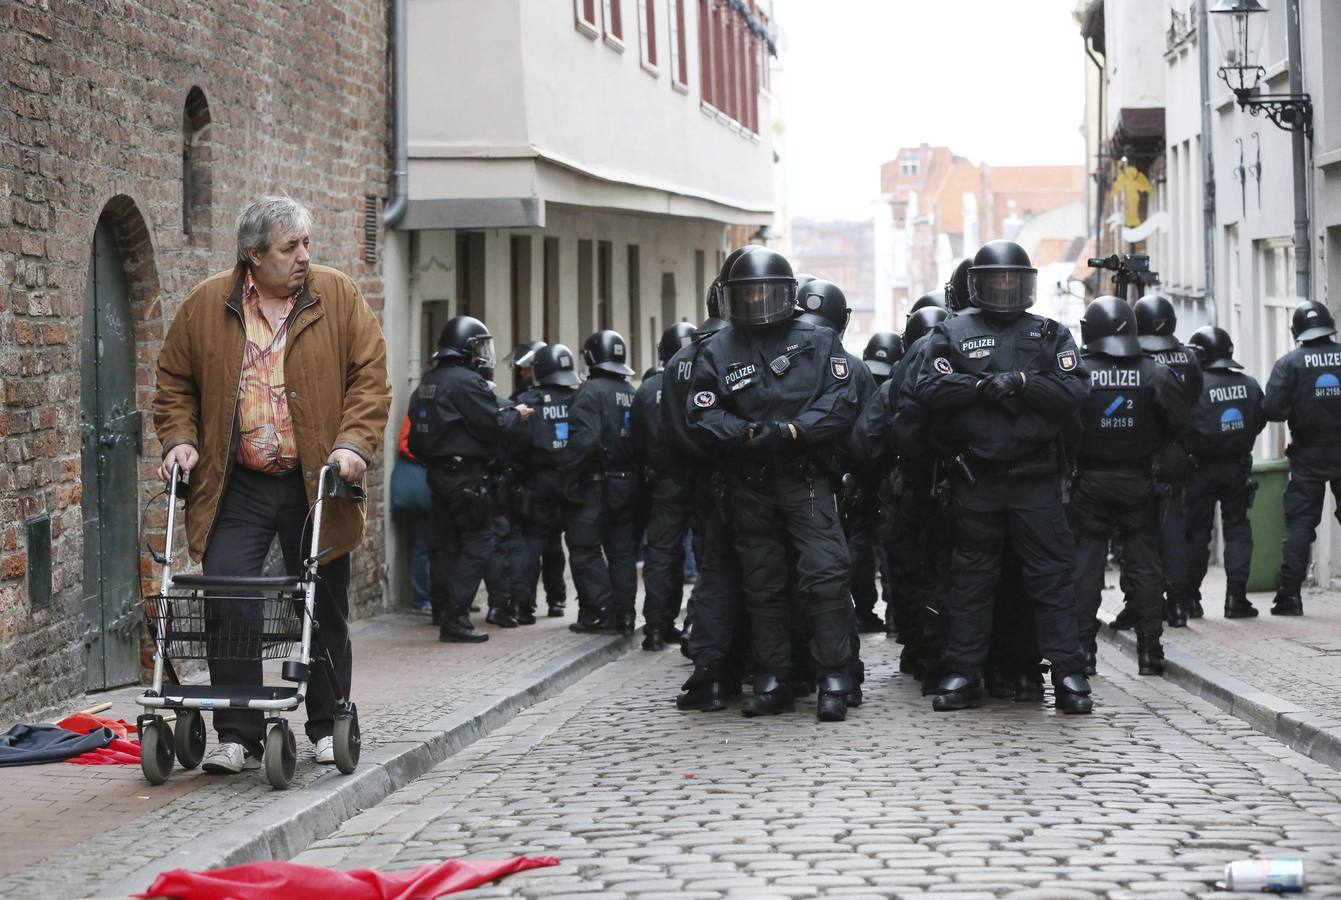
point(782, 512)
point(1311, 470)
point(254, 510)
point(1223, 481)
point(1014, 646)
point(463, 538)
point(1122, 503)
point(601, 548)
point(1027, 512)
point(553, 563)
point(502, 576)
point(868, 561)
point(717, 600)
point(663, 566)
point(541, 527)
point(918, 550)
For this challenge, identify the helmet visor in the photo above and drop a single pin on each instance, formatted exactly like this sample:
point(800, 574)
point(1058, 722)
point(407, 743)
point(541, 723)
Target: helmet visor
point(482, 353)
point(1003, 290)
point(760, 302)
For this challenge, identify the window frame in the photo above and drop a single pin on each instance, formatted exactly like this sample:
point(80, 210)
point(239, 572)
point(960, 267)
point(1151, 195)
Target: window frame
point(612, 24)
point(647, 36)
point(591, 28)
point(679, 45)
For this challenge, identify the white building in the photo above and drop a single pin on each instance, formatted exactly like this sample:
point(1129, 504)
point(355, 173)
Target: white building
point(573, 165)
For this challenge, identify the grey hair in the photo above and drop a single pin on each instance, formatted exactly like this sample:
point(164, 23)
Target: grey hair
point(258, 222)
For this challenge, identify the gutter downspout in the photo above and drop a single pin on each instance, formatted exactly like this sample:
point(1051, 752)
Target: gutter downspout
point(400, 173)
point(1207, 164)
point(1099, 191)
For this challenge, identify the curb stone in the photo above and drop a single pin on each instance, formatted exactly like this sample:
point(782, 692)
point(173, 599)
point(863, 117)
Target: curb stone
point(286, 827)
point(1317, 737)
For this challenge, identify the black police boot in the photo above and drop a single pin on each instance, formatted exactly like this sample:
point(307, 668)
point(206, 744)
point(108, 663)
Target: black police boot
point(592, 622)
point(672, 633)
point(1237, 605)
point(1175, 611)
point(869, 623)
point(1091, 659)
point(1125, 620)
point(770, 697)
point(626, 624)
point(1029, 687)
point(1149, 655)
point(704, 691)
point(525, 614)
point(653, 638)
point(501, 616)
point(556, 609)
point(458, 630)
point(999, 684)
point(439, 615)
point(908, 662)
point(684, 643)
point(957, 692)
point(831, 704)
point(1194, 609)
point(1071, 695)
point(1288, 602)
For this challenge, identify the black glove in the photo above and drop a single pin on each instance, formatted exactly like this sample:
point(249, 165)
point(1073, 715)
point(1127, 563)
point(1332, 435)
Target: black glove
point(999, 387)
point(765, 436)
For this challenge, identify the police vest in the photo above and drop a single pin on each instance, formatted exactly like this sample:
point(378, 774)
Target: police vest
point(1227, 417)
point(549, 424)
point(1119, 417)
point(437, 426)
point(1317, 399)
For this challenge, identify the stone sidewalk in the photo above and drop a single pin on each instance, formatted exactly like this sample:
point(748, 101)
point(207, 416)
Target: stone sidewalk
point(104, 830)
point(1281, 674)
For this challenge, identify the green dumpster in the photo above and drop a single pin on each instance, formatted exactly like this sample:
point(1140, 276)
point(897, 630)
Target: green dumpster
point(1268, 520)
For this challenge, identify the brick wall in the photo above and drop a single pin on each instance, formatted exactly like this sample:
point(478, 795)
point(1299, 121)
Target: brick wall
point(93, 113)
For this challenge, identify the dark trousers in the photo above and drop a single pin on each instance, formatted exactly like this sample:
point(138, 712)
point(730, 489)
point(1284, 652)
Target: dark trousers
point(1223, 481)
point(1105, 504)
point(919, 538)
point(1014, 646)
point(553, 562)
point(786, 512)
point(500, 575)
point(601, 548)
point(541, 526)
point(1026, 511)
point(868, 561)
point(463, 538)
point(254, 510)
point(717, 601)
point(1311, 470)
point(663, 567)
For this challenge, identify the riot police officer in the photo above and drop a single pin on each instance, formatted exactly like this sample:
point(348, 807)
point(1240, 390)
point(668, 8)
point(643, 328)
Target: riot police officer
point(934, 298)
point(1226, 421)
point(668, 518)
point(1000, 385)
point(543, 508)
point(1135, 407)
point(1305, 390)
point(883, 352)
point(456, 427)
point(523, 366)
point(603, 481)
point(776, 394)
point(957, 288)
point(1156, 321)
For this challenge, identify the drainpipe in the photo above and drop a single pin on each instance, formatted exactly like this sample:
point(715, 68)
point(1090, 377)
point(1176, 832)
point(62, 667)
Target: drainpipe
point(1099, 160)
point(1303, 243)
point(400, 173)
point(1207, 164)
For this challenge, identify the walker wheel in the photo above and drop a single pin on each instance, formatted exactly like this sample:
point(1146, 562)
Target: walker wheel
point(156, 751)
point(281, 756)
point(189, 738)
point(347, 742)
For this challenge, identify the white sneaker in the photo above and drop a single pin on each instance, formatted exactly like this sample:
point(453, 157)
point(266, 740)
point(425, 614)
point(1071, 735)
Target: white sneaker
point(326, 751)
point(229, 759)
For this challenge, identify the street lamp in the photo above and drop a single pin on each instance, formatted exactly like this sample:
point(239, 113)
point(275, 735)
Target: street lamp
point(1240, 26)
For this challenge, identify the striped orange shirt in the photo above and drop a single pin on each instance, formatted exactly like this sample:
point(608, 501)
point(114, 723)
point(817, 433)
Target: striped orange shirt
point(264, 424)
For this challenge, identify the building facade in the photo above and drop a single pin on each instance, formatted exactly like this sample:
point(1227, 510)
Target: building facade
point(574, 165)
point(130, 137)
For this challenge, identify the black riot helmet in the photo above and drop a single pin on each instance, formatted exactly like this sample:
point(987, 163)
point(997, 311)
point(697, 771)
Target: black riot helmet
point(883, 350)
point(803, 279)
point(935, 299)
point(921, 322)
point(605, 351)
point(523, 362)
point(1109, 326)
point(1155, 321)
point(555, 367)
point(714, 301)
point(1214, 347)
point(823, 303)
point(1002, 279)
point(957, 288)
point(466, 341)
point(761, 289)
point(672, 339)
point(1312, 320)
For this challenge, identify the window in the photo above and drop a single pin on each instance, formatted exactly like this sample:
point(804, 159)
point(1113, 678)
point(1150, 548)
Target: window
point(700, 279)
point(585, 289)
point(647, 33)
point(908, 165)
point(605, 272)
point(550, 290)
point(679, 55)
point(668, 302)
point(705, 18)
point(521, 289)
point(731, 54)
point(584, 17)
point(614, 25)
point(196, 179)
point(635, 303)
point(470, 273)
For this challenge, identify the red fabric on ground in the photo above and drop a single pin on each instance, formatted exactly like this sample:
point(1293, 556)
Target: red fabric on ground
point(83, 723)
point(295, 881)
point(117, 753)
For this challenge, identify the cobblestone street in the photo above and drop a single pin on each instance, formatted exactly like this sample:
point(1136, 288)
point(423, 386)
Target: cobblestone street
point(1149, 797)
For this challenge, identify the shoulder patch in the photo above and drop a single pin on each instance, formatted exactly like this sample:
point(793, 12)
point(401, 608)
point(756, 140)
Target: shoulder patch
point(705, 399)
point(942, 365)
point(1066, 360)
point(838, 366)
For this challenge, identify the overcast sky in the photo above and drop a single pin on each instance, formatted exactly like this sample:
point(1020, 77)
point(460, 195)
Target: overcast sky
point(998, 81)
